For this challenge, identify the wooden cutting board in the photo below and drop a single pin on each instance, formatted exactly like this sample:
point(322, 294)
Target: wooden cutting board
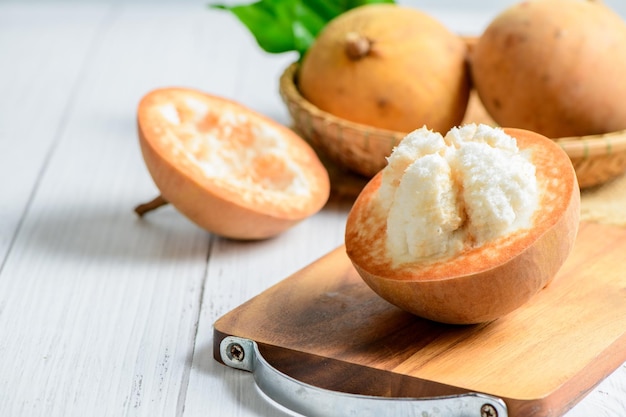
point(325, 327)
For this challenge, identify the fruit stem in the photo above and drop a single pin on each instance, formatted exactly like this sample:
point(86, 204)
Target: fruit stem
point(357, 46)
point(150, 205)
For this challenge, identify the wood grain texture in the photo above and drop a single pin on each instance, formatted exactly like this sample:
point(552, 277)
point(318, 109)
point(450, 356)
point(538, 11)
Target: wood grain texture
point(25, 146)
point(541, 358)
point(98, 309)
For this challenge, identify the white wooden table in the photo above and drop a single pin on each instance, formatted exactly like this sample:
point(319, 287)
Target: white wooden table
point(101, 313)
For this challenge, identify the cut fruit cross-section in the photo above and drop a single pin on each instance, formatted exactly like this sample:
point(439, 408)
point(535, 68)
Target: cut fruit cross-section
point(229, 169)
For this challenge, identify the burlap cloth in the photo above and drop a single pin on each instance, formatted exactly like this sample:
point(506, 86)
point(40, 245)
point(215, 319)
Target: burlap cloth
point(605, 203)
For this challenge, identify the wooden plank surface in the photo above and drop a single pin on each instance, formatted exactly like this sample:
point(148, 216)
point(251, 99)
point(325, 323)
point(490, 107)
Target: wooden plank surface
point(98, 309)
point(540, 358)
point(102, 314)
point(29, 42)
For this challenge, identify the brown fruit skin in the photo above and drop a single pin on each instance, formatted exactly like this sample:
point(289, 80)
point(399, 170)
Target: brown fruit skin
point(554, 67)
point(415, 74)
point(478, 285)
point(207, 203)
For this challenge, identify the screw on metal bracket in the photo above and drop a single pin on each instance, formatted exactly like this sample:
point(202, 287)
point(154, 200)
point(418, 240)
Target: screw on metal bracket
point(236, 352)
point(488, 410)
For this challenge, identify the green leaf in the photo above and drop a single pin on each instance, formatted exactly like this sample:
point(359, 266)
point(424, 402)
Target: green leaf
point(289, 25)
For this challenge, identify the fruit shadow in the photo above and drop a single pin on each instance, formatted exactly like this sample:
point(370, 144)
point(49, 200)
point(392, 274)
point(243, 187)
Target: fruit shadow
point(117, 233)
point(112, 234)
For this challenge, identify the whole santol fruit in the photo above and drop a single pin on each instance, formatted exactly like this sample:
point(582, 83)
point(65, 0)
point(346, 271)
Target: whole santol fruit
point(387, 66)
point(466, 228)
point(554, 67)
point(229, 169)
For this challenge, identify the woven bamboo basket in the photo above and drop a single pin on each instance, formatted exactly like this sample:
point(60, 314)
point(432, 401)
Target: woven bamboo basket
point(363, 149)
point(596, 158)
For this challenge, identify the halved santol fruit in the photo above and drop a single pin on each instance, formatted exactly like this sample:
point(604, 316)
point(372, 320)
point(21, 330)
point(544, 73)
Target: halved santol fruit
point(227, 168)
point(468, 228)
